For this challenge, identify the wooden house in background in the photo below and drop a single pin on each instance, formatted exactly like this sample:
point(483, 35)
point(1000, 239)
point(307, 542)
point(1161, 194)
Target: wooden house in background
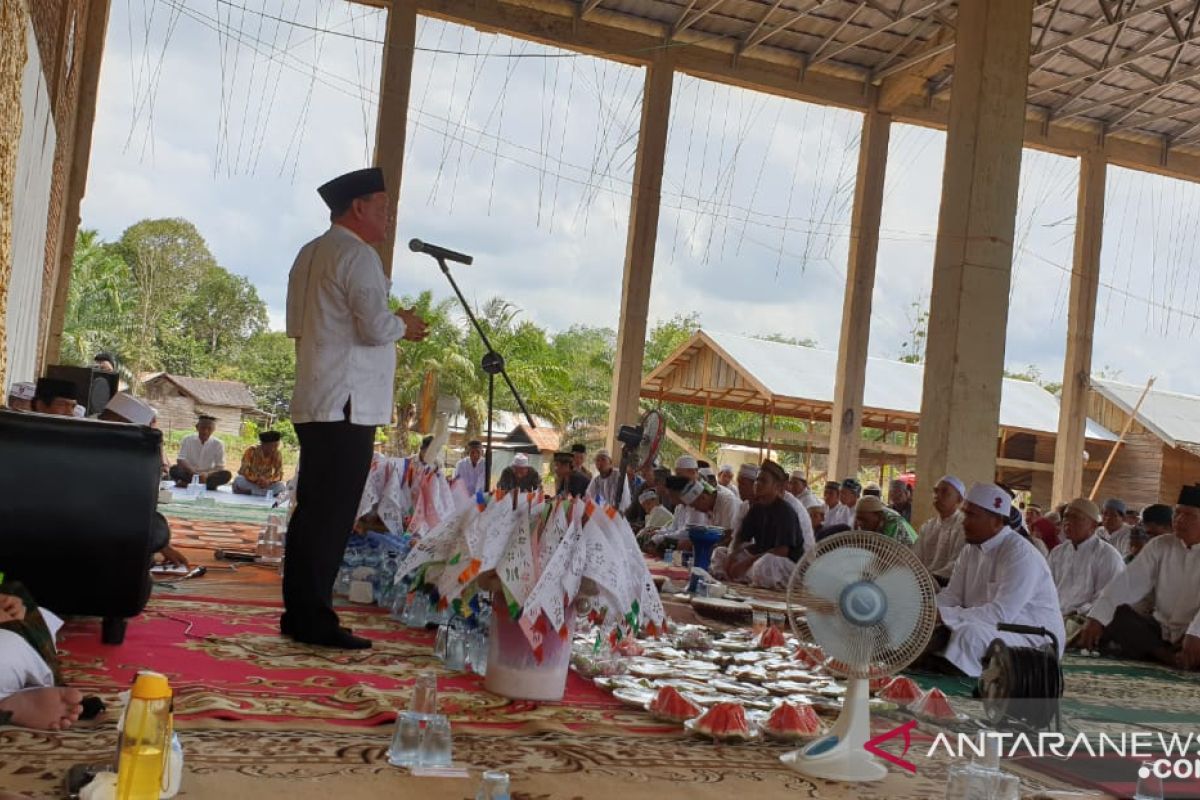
point(180, 400)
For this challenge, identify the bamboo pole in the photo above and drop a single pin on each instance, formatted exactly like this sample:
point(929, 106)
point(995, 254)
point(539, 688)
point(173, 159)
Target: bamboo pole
point(1120, 440)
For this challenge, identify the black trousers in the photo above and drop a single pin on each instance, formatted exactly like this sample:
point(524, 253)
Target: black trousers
point(335, 459)
point(1135, 636)
point(183, 476)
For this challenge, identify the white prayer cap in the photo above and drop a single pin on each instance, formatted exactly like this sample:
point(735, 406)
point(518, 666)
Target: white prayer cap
point(130, 409)
point(686, 462)
point(79, 412)
point(990, 498)
point(691, 492)
point(725, 468)
point(798, 475)
point(810, 500)
point(603, 454)
point(520, 460)
point(748, 471)
point(958, 485)
point(22, 391)
point(706, 472)
point(649, 494)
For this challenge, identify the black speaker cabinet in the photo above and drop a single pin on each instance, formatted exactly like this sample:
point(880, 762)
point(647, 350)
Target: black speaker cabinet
point(95, 387)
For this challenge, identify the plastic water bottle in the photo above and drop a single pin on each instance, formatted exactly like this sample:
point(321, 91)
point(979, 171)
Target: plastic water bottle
point(195, 488)
point(145, 739)
point(669, 556)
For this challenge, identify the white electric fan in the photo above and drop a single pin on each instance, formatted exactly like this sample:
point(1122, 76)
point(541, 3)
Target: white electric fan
point(869, 603)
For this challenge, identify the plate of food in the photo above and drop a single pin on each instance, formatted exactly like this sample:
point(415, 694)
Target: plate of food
point(649, 668)
point(637, 698)
point(793, 722)
point(723, 722)
point(737, 688)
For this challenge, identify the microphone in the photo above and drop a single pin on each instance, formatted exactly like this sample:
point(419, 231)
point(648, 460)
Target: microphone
point(417, 246)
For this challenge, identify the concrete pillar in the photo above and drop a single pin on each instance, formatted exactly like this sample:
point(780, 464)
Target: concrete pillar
point(972, 269)
point(846, 430)
point(95, 29)
point(639, 248)
point(1081, 322)
point(392, 125)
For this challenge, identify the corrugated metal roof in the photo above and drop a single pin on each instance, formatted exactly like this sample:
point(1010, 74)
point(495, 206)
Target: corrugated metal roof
point(891, 386)
point(1173, 417)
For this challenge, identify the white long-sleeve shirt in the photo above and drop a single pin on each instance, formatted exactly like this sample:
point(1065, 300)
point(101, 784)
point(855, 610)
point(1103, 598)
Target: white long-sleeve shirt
point(337, 311)
point(471, 474)
point(204, 457)
point(1169, 571)
point(1081, 572)
point(840, 515)
point(1003, 580)
point(939, 542)
point(605, 486)
point(806, 528)
point(1119, 539)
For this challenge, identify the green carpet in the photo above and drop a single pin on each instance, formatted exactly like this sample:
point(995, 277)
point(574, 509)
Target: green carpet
point(217, 513)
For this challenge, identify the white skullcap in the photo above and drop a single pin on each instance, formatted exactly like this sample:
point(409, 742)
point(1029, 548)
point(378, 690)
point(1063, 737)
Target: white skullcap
point(603, 454)
point(649, 494)
point(130, 409)
point(706, 472)
point(725, 468)
point(691, 492)
point(748, 471)
point(520, 460)
point(22, 391)
point(79, 412)
point(868, 503)
point(686, 462)
point(810, 500)
point(990, 498)
point(958, 485)
point(798, 475)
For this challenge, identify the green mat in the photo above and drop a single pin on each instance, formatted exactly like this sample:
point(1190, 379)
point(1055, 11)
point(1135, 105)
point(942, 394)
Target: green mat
point(216, 513)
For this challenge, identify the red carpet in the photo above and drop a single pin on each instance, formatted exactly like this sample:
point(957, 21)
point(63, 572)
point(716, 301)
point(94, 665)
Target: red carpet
point(228, 663)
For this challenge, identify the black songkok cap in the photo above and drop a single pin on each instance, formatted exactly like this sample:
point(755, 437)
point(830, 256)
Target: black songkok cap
point(677, 483)
point(579, 448)
point(1190, 496)
point(269, 436)
point(50, 388)
point(338, 192)
point(564, 458)
point(1157, 514)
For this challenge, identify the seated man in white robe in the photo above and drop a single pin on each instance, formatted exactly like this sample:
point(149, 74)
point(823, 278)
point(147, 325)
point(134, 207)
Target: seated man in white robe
point(941, 537)
point(28, 695)
point(999, 578)
point(604, 483)
point(728, 478)
point(843, 512)
point(1116, 530)
point(1084, 564)
point(710, 505)
point(1168, 572)
point(769, 544)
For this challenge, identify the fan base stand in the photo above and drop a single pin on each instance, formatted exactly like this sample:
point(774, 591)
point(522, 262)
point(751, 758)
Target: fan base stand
point(840, 755)
point(836, 764)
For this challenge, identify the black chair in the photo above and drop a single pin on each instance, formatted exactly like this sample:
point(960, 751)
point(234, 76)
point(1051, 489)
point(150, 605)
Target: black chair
point(77, 502)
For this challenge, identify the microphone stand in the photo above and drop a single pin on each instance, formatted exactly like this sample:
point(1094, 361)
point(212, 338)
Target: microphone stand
point(493, 364)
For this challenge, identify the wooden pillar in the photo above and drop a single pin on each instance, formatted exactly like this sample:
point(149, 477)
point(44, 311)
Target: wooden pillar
point(846, 423)
point(391, 127)
point(704, 433)
point(972, 269)
point(95, 30)
point(1081, 322)
point(639, 248)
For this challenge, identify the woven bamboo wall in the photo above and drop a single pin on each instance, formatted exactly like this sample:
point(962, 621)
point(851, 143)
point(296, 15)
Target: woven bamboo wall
point(13, 22)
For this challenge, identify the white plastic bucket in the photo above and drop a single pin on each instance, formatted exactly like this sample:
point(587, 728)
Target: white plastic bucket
point(512, 669)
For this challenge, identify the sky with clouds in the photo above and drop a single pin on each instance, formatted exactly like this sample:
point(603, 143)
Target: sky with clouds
point(230, 114)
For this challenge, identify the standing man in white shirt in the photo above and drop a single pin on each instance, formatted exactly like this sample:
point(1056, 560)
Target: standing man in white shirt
point(337, 311)
point(941, 537)
point(1084, 564)
point(999, 578)
point(201, 454)
point(1167, 571)
point(470, 469)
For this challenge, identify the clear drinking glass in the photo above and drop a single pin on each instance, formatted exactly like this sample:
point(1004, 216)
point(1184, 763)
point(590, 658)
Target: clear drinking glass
point(439, 643)
point(424, 696)
point(494, 786)
point(456, 647)
point(406, 740)
point(436, 743)
point(477, 650)
point(1149, 787)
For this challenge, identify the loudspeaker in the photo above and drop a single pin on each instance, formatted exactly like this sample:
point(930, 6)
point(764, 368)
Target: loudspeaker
point(95, 387)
